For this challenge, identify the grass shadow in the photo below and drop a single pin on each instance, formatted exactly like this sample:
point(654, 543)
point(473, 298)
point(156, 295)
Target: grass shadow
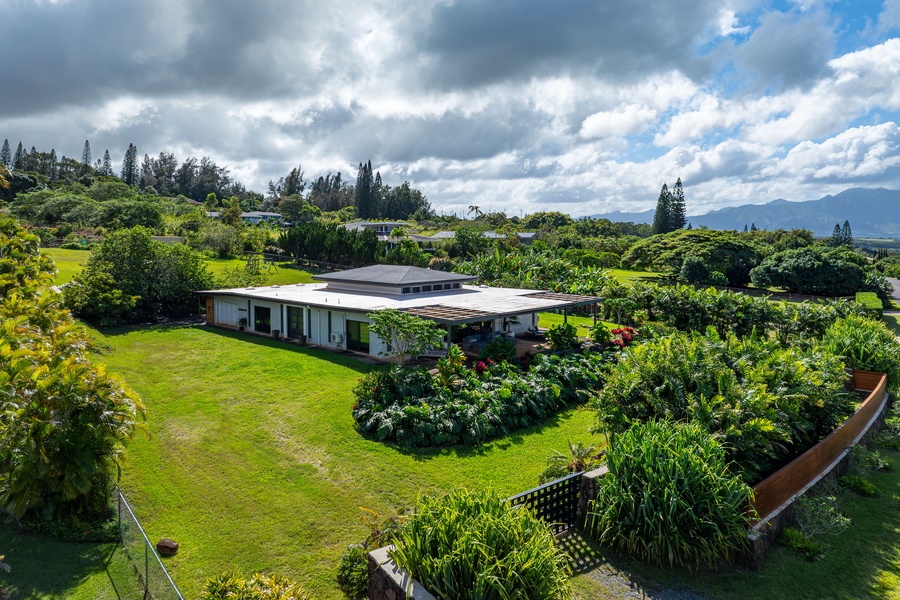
point(48, 568)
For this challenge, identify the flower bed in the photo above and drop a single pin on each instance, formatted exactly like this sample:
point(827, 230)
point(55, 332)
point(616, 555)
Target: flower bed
point(417, 409)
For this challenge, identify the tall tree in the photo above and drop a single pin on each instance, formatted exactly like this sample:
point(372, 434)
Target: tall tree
point(86, 158)
point(846, 234)
point(106, 166)
point(130, 170)
point(835, 236)
point(678, 214)
point(662, 218)
point(364, 184)
point(19, 158)
point(6, 155)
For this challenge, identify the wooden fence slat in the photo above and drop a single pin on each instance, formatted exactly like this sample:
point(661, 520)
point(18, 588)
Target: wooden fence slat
point(788, 481)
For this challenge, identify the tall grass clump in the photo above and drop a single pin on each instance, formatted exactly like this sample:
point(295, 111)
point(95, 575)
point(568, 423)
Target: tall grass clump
point(866, 345)
point(670, 497)
point(473, 544)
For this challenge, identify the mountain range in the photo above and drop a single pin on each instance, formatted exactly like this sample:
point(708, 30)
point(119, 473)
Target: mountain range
point(872, 213)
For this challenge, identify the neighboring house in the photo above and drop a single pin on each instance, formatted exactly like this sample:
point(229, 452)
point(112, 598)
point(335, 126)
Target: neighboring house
point(525, 236)
point(333, 313)
point(383, 229)
point(254, 217)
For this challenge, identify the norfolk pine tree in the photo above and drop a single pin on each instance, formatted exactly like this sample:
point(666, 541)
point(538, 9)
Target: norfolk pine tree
point(130, 172)
point(86, 158)
point(678, 211)
point(6, 155)
point(662, 217)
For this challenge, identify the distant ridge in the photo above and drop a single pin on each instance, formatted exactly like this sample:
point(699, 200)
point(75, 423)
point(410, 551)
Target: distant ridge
point(872, 212)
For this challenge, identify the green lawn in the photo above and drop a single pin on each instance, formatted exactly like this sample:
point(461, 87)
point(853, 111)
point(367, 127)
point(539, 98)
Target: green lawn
point(582, 324)
point(253, 462)
point(42, 568)
point(70, 262)
point(623, 276)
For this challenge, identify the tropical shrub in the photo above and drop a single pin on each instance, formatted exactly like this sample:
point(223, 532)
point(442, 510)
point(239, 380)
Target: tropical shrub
point(600, 334)
point(64, 423)
point(819, 515)
point(562, 337)
point(859, 485)
point(259, 586)
point(352, 572)
point(580, 458)
point(163, 278)
point(670, 497)
point(766, 403)
point(866, 345)
point(414, 408)
point(812, 270)
point(471, 545)
point(688, 309)
point(498, 350)
point(794, 539)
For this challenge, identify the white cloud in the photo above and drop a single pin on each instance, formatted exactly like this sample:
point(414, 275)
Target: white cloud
point(622, 121)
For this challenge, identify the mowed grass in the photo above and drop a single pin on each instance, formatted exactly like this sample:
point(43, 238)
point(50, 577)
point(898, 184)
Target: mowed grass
point(253, 462)
point(625, 277)
point(70, 262)
point(43, 568)
point(582, 323)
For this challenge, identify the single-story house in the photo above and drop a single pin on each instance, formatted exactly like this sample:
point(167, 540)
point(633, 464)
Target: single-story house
point(332, 312)
point(525, 236)
point(254, 217)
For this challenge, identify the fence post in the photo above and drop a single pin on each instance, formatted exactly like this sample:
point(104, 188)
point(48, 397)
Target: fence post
point(587, 493)
point(146, 570)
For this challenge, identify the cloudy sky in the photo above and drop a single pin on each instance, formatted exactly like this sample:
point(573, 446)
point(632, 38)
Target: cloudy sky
point(583, 106)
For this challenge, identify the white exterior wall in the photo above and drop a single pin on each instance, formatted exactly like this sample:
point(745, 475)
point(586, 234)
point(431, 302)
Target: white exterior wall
point(226, 311)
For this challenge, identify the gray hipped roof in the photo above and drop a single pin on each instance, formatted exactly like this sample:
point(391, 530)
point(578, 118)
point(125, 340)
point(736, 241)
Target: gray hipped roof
point(394, 275)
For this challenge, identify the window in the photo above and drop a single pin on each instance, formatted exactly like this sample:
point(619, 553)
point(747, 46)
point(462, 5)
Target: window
point(405, 290)
point(455, 286)
point(262, 319)
point(358, 336)
point(416, 290)
point(329, 325)
point(294, 322)
point(426, 288)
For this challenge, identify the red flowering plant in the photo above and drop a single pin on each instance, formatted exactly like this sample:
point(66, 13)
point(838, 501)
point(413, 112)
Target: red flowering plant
point(623, 336)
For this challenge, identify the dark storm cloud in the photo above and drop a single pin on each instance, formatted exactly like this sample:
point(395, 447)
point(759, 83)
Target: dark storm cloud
point(786, 51)
point(471, 43)
point(81, 53)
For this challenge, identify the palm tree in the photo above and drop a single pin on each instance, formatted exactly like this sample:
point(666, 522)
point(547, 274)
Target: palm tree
point(474, 208)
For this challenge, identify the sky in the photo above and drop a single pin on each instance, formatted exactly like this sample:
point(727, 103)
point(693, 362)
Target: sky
point(581, 106)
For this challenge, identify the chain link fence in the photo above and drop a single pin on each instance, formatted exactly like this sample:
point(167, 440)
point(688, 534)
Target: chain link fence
point(155, 581)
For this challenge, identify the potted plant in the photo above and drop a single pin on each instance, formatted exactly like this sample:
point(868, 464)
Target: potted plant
point(242, 322)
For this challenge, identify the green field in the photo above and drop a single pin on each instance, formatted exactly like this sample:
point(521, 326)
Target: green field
point(70, 262)
point(253, 462)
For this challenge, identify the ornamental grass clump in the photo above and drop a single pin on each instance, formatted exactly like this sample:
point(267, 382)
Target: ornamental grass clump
point(670, 497)
point(473, 544)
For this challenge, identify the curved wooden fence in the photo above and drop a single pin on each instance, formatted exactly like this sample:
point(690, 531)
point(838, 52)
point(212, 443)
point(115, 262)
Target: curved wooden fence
point(777, 489)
